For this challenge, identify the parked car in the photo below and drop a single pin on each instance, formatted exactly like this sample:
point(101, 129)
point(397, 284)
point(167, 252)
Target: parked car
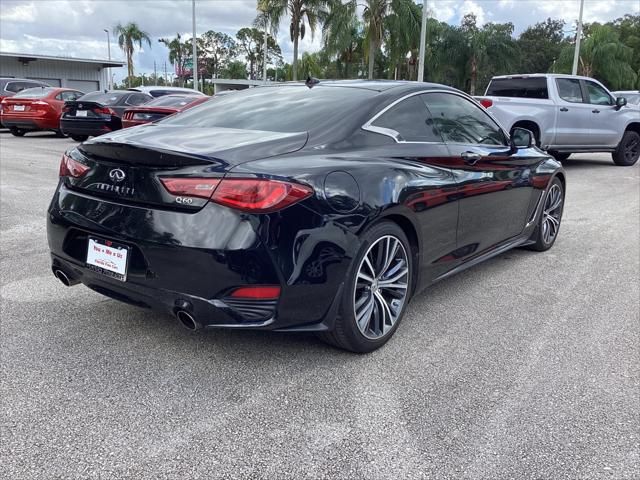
point(97, 113)
point(567, 114)
point(35, 109)
point(632, 96)
point(162, 91)
point(160, 108)
point(10, 86)
point(301, 209)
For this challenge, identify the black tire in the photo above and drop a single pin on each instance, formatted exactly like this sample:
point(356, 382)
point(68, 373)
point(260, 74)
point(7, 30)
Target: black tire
point(347, 334)
point(17, 132)
point(541, 236)
point(59, 134)
point(560, 156)
point(628, 151)
point(79, 138)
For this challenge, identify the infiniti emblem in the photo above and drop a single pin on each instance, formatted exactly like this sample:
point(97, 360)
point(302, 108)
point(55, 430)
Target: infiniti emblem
point(116, 175)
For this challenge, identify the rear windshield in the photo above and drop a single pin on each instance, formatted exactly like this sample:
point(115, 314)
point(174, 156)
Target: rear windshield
point(534, 87)
point(275, 109)
point(109, 98)
point(172, 101)
point(37, 92)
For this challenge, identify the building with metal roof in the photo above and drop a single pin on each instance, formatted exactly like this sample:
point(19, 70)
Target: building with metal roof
point(83, 74)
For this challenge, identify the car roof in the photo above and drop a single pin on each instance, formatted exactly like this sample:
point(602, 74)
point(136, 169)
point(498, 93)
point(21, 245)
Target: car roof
point(392, 87)
point(147, 89)
point(540, 75)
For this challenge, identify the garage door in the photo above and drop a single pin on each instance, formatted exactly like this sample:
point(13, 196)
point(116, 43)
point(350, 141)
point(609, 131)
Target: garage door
point(85, 86)
point(54, 82)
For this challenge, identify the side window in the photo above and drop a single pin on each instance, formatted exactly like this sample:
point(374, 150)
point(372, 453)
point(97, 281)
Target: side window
point(569, 90)
point(597, 94)
point(68, 96)
point(410, 120)
point(136, 99)
point(461, 121)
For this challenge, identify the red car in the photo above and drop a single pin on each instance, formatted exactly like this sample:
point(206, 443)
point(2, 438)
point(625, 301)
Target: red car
point(159, 108)
point(35, 109)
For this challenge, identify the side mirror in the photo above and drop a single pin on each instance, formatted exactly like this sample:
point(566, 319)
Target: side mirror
point(620, 102)
point(522, 138)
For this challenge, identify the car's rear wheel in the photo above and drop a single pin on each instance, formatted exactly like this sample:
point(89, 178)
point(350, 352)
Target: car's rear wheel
point(376, 292)
point(17, 132)
point(79, 138)
point(628, 151)
point(548, 226)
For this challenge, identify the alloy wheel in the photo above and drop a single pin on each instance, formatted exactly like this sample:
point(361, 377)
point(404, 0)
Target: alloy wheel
point(552, 214)
point(382, 286)
point(632, 149)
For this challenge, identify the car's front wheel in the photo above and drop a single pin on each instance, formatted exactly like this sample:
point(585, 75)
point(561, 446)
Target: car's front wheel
point(17, 132)
point(628, 151)
point(376, 292)
point(548, 226)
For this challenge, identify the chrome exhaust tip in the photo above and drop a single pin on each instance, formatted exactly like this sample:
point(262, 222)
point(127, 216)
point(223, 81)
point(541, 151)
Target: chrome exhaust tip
point(187, 320)
point(60, 275)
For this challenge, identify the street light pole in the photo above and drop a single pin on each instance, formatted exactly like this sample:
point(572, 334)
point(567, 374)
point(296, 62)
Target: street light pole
point(264, 67)
point(196, 85)
point(109, 85)
point(423, 42)
point(576, 54)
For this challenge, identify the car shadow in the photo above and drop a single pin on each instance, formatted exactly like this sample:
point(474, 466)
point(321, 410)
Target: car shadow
point(583, 163)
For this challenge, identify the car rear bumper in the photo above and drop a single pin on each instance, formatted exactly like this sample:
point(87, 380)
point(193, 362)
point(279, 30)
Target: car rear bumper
point(90, 127)
point(192, 262)
point(29, 123)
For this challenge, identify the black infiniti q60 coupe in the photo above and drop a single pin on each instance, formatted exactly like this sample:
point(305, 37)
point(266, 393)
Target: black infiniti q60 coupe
point(292, 208)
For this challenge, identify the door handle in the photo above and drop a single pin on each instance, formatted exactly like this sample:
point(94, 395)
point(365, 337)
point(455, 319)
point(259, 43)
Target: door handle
point(471, 157)
point(564, 109)
point(595, 111)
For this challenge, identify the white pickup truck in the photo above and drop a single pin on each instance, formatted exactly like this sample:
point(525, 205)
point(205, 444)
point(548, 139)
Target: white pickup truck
point(567, 114)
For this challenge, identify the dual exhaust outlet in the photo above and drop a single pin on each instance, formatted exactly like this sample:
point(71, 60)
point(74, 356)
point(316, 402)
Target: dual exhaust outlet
point(185, 318)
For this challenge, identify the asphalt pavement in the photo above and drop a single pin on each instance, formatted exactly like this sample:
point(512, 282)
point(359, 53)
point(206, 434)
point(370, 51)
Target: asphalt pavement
point(525, 367)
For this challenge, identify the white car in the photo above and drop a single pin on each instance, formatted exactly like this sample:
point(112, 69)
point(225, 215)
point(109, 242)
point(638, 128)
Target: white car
point(632, 96)
point(567, 114)
point(158, 91)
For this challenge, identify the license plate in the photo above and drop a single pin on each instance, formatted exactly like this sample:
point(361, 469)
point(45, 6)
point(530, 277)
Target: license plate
point(108, 258)
point(81, 113)
point(18, 108)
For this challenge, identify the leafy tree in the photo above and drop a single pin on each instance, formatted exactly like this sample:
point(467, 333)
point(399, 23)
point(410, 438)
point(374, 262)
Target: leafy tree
point(301, 12)
point(179, 53)
point(402, 36)
point(251, 44)
point(128, 36)
point(629, 29)
point(217, 50)
point(236, 70)
point(540, 46)
point(603, 56)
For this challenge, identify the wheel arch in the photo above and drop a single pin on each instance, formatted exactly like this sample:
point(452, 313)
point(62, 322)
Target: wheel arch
point(633, 127)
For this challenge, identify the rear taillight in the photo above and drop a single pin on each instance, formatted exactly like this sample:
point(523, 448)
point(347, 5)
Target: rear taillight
point(71, 168)
point(104, 111)
point(191, 187)
point(248, 195)
point(486, 103)
point(258, 195)
point(258, 292)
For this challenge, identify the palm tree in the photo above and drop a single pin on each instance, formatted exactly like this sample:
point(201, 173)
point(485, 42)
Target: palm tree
point(128, 36)
point(302, 13)
point(342, 34)
point(179, 53)
point(604, 56)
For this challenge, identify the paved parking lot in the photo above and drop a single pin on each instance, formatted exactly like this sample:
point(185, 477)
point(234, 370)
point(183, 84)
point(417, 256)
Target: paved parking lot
point(526, 367)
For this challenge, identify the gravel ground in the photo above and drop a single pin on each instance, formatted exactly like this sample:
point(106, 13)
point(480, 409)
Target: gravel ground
point(525, 367)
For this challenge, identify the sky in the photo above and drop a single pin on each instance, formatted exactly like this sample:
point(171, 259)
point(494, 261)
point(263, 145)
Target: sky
point(75, 28)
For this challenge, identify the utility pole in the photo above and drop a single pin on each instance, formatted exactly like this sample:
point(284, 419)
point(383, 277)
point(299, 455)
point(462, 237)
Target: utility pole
point(166, 80)
point(196, 85)
point(423, 42)
point(264, 67)
point(576, 54)
point(155, 74)
point(109, 85)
